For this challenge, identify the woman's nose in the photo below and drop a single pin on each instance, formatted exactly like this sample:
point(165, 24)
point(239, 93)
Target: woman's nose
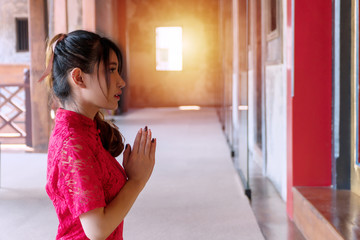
point(121, 83)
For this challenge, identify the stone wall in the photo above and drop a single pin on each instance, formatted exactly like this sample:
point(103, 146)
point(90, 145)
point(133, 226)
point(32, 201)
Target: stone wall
point(9, 11)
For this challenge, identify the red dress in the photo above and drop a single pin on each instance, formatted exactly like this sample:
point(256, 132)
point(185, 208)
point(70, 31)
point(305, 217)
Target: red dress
point(81, 174)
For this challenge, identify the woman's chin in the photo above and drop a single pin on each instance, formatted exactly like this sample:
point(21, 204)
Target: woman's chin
point(111, 105)
point(114, 107)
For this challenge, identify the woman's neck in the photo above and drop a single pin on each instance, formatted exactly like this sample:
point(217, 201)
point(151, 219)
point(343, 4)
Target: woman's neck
point(89, 112)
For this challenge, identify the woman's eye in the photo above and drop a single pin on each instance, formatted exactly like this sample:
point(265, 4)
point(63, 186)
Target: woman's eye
point(112, 70)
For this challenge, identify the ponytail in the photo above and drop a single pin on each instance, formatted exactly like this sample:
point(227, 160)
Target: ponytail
point(111, 138)
point(50, 49)
point(84, 50)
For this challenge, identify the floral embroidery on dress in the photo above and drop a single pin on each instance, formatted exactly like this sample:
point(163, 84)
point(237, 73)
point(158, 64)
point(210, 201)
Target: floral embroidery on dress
point(81, 174)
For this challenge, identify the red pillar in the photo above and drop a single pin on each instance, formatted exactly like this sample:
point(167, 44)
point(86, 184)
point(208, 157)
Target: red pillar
point(309, 111)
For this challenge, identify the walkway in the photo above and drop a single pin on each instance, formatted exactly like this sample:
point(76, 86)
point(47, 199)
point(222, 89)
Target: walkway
point(194, 192)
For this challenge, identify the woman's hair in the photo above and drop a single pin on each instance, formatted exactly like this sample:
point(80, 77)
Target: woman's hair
point(84, 50)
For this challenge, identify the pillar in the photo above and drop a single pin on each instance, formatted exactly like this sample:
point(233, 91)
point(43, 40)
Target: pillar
point(60, 16)
point(41, 121)
point(123, 44)
point(89, 15)
point(310, 89)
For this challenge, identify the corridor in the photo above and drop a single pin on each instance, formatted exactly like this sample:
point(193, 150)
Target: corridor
point(194, 192)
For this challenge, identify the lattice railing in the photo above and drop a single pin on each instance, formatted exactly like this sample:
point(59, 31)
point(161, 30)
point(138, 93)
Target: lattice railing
point(14, 111)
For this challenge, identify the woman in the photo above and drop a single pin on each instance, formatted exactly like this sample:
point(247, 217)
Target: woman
point(91, 191)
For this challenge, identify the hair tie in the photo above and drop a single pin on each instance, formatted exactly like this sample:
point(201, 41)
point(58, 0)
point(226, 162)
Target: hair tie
point(50, 64)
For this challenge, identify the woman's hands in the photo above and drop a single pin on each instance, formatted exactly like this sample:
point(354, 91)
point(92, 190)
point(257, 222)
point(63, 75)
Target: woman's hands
point(139, 162)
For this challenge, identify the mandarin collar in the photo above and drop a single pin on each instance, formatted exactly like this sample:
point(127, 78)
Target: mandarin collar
point(74, 118)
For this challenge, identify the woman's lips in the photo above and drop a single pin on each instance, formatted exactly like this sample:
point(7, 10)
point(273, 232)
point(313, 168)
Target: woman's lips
point(118, 95)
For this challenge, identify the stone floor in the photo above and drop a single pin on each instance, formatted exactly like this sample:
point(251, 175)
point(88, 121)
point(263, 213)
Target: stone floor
point(270, 209)
point(194, 192)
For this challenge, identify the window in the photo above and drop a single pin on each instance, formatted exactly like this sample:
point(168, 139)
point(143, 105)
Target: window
point(274, 45)
point(273, 13)
point(273, 16)
point(22, 35)
point(169, 49)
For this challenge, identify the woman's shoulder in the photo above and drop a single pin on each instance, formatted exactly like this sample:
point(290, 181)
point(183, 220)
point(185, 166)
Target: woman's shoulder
point(73, 131)
point(67, 141)
point(62, 135)
point(72, 151)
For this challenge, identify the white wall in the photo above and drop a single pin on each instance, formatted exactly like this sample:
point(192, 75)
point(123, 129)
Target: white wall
point(9, 10)
point(276, 112)
point(255, 153)
point(276, 127)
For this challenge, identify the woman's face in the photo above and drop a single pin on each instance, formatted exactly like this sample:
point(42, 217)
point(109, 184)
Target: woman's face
point(107, 96)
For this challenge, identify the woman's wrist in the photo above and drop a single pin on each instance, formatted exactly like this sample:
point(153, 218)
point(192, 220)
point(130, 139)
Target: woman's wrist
point(137, 185)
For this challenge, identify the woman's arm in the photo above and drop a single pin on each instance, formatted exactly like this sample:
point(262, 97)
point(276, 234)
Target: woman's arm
point(138, 163)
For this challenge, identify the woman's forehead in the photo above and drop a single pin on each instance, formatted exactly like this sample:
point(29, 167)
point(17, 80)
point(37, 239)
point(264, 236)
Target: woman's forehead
point(113, 58)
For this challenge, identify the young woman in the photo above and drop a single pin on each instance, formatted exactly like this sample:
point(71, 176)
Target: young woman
point(91, 191)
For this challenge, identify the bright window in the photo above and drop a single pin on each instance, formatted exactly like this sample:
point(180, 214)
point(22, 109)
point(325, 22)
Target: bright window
point(169, 49)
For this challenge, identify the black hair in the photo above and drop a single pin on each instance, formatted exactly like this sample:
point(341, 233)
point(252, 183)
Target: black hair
point(85, 50)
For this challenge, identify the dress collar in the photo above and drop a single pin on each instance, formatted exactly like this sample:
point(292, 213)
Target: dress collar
point(74, 118)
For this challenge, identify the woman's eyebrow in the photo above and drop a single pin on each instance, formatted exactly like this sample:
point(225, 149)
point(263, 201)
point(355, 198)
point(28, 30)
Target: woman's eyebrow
point(113, 63)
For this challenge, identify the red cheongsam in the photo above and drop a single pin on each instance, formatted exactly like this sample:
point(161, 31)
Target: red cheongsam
point(81, 174)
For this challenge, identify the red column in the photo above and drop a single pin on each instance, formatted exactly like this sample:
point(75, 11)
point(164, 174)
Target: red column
point(309, 159)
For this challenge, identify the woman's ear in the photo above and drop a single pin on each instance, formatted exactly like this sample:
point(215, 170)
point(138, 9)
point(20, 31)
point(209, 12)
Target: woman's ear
point(76, 77)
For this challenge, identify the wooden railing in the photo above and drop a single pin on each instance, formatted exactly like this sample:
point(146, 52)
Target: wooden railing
point(15, 111)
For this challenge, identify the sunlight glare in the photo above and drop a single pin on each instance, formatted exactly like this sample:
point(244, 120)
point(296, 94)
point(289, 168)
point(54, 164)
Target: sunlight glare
point(243, 108)
point(189, 108)
point(169, 49)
